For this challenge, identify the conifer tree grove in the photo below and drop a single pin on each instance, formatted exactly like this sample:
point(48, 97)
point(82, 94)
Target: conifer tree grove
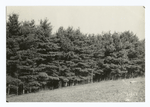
point(39, 60)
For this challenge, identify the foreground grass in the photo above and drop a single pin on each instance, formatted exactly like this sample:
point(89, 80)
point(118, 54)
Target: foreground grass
point(105, 91)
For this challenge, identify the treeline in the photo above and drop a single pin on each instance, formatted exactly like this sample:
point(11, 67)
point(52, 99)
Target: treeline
point(37, 59)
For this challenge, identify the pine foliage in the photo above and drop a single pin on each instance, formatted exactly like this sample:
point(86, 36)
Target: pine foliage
point(38, 59)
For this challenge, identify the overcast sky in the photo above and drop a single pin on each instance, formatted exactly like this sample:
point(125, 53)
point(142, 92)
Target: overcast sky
point(93, 19)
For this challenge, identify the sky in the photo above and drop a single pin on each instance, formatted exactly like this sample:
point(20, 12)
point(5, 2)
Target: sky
point(90, 19)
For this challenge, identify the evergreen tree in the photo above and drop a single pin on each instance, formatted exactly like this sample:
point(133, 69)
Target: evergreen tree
point(37, 59)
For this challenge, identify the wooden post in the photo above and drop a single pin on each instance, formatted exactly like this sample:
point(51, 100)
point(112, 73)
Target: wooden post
point(92, 77)
point(22, 88)
point(8, 89)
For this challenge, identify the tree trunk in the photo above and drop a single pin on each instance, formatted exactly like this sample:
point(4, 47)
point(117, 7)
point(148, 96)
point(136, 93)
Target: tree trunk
point(60, 84)
point(65, 84)
point(8, 90)
point(73, 83)
point(30, 89)
point(17, 90)
point(23, 91)
point(92, 79)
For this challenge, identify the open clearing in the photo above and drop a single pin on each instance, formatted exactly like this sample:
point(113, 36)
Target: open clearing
point(126, 90)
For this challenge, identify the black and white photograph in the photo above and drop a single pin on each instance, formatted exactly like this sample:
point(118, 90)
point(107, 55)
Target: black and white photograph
point(75, 54)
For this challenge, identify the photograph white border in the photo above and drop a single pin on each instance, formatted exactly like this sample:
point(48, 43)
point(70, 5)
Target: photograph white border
point(5, 3)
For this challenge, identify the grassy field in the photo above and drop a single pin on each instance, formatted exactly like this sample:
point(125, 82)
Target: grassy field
point(126, 90)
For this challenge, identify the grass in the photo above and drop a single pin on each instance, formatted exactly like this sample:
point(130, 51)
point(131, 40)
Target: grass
point(105, 91)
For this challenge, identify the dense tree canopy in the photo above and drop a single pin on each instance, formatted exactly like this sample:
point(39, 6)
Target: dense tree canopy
point(38, 59)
